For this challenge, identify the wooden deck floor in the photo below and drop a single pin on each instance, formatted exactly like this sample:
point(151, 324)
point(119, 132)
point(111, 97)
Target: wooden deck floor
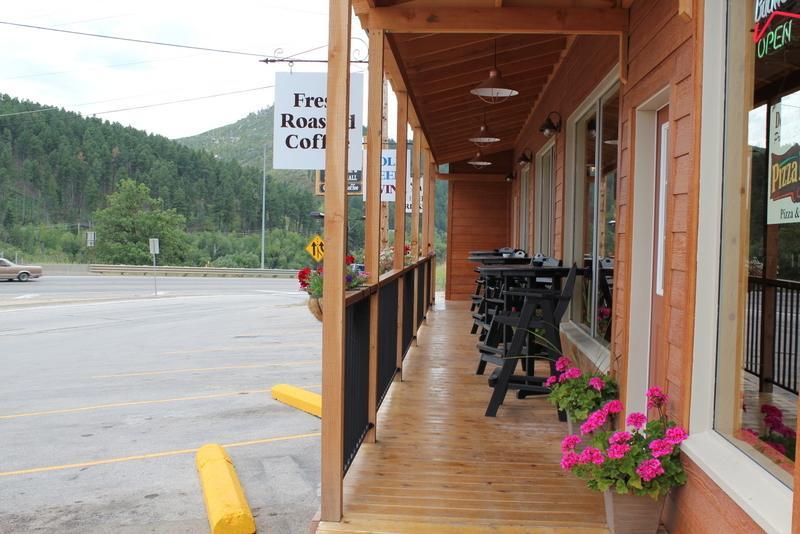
point(440, 466)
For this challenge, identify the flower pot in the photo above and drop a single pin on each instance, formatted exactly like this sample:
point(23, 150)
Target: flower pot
point(573, 426)
point(632, 514)
point(315, 307)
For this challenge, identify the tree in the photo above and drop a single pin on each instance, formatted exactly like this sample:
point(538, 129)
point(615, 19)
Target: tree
point(131, 219)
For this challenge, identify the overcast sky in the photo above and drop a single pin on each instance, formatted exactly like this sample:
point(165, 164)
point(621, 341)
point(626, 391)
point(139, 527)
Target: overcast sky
point(92, 75)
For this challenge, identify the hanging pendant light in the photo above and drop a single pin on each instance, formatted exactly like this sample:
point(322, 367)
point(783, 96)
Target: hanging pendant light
point(494, 89)
point(483, 137)
point(479, 161)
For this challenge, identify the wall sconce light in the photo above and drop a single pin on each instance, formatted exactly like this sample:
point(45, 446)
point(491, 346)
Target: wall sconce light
point(479, 161)
point(525, 158)
point(550, 126)
point(494, 89)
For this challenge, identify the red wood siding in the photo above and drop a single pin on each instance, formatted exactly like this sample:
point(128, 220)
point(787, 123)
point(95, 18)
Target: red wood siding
point(478, 219)
point(701, 506)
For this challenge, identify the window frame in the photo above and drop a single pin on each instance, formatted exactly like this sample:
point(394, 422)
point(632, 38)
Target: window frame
point(762, 496)
point(545, 200)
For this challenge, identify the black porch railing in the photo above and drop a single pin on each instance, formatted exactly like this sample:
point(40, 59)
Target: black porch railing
point(391, 323)
point(408, 310)
point(772, 332)
point(356, 378)
point(388, 300)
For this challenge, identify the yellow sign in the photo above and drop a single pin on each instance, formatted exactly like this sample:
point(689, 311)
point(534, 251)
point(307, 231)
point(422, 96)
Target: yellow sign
point(316, 248)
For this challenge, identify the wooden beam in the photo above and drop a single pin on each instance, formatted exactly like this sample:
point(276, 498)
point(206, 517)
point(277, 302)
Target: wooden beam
point(372, 225)
point(470, 177)
point(541, 20)
point(333, 322)
point(623, 57)
point(685, 9)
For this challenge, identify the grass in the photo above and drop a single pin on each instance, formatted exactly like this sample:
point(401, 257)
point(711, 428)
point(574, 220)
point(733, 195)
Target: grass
point(441, 273)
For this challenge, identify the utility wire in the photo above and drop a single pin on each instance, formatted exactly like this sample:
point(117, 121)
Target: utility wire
point(145, 41)
point(145, 106)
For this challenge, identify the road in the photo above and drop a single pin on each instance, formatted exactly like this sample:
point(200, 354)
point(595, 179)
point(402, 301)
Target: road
point(103, 402)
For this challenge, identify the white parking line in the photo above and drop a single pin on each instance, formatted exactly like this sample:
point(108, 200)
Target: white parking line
point(27, 296)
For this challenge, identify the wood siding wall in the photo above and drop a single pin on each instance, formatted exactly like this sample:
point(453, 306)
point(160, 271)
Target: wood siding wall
point(589, 60)
point(477, 219)
point(665, 51)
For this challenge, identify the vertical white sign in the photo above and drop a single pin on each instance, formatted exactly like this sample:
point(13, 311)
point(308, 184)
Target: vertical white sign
point(153, 246)
point(299, 138)
point(783, 198)
point(410, 192)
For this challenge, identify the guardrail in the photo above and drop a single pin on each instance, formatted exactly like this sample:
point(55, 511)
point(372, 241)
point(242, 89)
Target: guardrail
point(143, 270)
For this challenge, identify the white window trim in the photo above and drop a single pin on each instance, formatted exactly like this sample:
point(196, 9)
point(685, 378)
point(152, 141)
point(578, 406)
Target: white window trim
point(762, 496)
point(539, 198)
point(662, 207)
point(642, 246)
point(589, 347)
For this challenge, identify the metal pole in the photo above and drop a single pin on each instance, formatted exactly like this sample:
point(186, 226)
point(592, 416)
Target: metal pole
point(263, 203)
point(155, 278)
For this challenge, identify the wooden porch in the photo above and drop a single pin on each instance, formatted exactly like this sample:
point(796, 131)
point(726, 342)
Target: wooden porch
point(439, 465)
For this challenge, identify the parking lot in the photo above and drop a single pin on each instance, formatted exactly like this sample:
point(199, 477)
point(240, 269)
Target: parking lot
point(107, 391)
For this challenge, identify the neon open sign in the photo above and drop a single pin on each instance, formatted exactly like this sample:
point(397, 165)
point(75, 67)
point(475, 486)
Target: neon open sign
point(768, 39)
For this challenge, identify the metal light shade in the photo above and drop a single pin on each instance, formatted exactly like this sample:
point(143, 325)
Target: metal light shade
point(494, 89)
point(479, 161)
point(483, 137)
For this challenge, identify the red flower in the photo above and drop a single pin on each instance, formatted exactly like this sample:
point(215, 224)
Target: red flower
point(349, 260)
point(302, 277)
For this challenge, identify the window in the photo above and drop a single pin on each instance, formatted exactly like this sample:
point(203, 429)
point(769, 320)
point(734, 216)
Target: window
point(595, 214)
point(758, 355)
point(545, 199)
point(524, 208)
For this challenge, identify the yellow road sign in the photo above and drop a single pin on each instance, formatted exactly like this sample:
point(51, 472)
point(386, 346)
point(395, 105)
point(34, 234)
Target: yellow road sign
point(316, 247)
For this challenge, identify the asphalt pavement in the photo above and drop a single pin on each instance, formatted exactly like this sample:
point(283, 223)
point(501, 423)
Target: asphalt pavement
point(107, 391)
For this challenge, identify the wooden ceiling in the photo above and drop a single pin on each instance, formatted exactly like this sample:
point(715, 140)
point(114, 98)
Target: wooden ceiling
point(437, 50)
point(440, 69)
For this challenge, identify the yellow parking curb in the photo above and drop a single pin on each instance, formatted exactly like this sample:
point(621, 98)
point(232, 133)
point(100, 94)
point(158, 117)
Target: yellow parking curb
point(227, 508)
point(299, 398)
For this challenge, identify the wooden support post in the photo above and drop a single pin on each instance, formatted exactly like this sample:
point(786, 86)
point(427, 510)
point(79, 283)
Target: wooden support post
point(384, 225)
point(427, 205)
point(333, 323)
point(374, 227)
point(402, 170)
point(400, 217)
point(415, 180)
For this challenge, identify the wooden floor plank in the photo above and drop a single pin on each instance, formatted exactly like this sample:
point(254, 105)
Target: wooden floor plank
point(439, 465)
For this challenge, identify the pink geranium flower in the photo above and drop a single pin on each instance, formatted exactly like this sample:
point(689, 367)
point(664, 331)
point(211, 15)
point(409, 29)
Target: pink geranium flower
point(550, 381)
point(660, 447)
point(569, 443)
point(620, 437)
point(613, 406)
point(562, 363)
point(656, 398)
point(594, 421)
point(637, 420)
point(596, 383)
point(618, 450)
point(650, 469)
point(591, 455)
point(569, 460)
point(769, 409)
point(676, 435)
point(573, 372)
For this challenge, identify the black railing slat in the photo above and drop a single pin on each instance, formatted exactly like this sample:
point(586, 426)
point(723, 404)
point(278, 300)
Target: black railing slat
point(356, 380)
point(387, 337)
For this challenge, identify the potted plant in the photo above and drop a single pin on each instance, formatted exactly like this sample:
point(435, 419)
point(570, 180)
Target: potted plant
point(310, 281)
point(578, 394)
point(634, 468)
